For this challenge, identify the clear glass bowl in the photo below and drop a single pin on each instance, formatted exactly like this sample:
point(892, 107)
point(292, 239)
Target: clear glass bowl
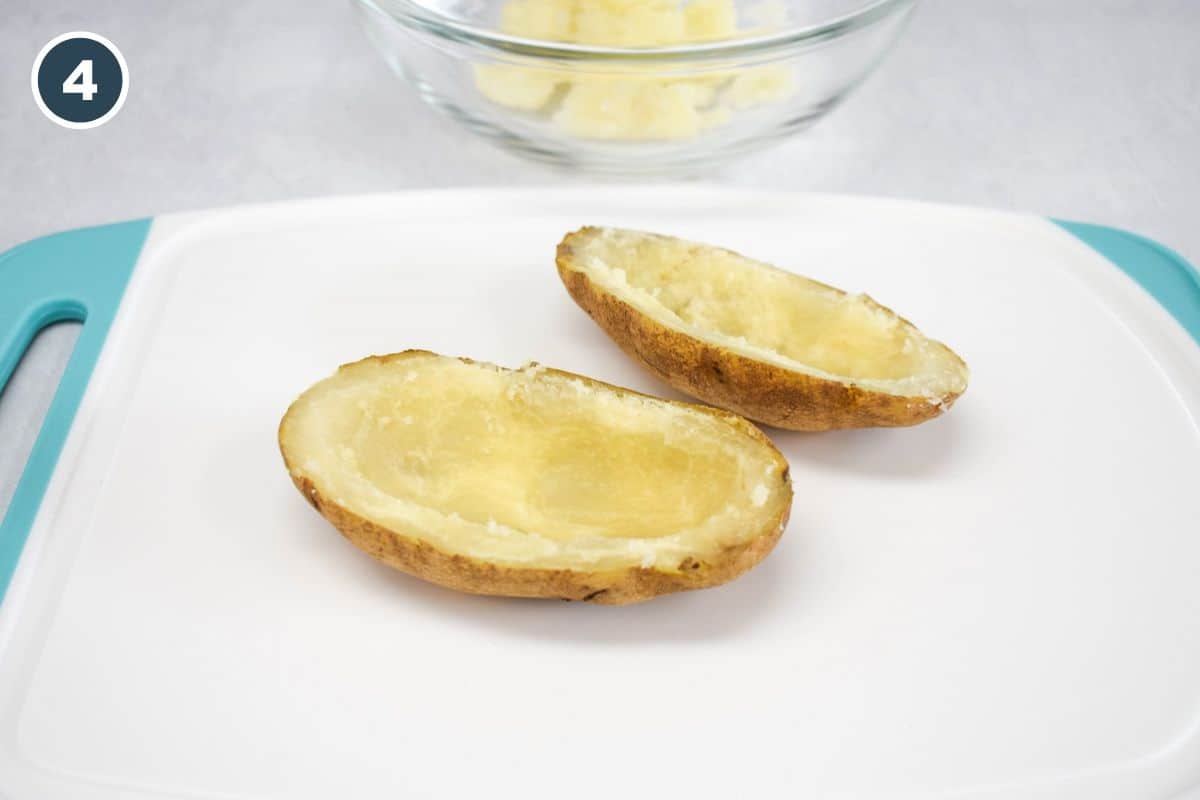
point(634, 86)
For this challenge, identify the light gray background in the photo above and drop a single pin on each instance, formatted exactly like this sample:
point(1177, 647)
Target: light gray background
point(1086, 109)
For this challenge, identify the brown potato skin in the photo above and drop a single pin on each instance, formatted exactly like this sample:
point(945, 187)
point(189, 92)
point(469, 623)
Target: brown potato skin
point(406, 551)
point(755, 389)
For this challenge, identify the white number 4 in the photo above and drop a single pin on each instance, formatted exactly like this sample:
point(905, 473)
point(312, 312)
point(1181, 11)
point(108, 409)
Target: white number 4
point(80, 81)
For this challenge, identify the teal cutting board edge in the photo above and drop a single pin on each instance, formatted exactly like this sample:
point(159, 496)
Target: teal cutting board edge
point(76, 275)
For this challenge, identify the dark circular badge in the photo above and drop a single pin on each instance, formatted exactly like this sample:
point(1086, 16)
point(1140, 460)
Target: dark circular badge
point(80, 80)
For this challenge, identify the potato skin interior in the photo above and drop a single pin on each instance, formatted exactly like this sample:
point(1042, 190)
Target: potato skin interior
point(749, 338)
point(534, 482)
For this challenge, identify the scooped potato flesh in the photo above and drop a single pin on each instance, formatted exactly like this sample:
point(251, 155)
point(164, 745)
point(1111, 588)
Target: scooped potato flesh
point(766, 310)
point(528, 465)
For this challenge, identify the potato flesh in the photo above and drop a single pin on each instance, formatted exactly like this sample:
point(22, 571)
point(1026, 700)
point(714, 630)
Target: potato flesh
point(652, 104)
point(526, 464)
point(770, 312)
point(529, 465)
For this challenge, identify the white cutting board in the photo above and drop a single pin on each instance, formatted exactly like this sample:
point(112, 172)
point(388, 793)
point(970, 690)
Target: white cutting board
point(1003, 602)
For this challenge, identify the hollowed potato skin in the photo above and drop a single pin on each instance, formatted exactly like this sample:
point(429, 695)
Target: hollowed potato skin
point(406, 551)
point(759, 390)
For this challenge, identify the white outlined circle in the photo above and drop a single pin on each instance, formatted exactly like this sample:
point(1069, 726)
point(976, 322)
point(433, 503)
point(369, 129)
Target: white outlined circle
point(66, 123)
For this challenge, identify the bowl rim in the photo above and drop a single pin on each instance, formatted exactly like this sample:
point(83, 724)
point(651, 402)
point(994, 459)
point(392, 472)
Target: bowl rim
point(412, 15)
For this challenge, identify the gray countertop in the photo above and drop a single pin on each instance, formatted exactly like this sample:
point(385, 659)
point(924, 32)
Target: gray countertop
point(1084, 109)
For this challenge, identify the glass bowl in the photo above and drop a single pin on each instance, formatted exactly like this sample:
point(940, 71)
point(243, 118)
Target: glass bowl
point(634, 87)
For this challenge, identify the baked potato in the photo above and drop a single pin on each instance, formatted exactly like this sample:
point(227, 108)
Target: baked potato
point(533, 482)
point(745, 336)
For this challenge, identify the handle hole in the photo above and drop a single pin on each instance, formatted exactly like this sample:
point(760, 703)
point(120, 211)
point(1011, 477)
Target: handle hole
point(25, 399)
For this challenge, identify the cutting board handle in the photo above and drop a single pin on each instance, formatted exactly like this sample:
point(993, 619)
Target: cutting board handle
point(76, 275)
point(1162, 272)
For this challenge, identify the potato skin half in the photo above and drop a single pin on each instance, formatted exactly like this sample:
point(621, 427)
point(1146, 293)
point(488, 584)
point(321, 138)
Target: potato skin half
point(759, 390)
point(406, 551)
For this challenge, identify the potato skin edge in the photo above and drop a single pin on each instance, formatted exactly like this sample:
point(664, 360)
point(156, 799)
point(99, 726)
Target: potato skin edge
point(761, 391)
point(407, 552)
